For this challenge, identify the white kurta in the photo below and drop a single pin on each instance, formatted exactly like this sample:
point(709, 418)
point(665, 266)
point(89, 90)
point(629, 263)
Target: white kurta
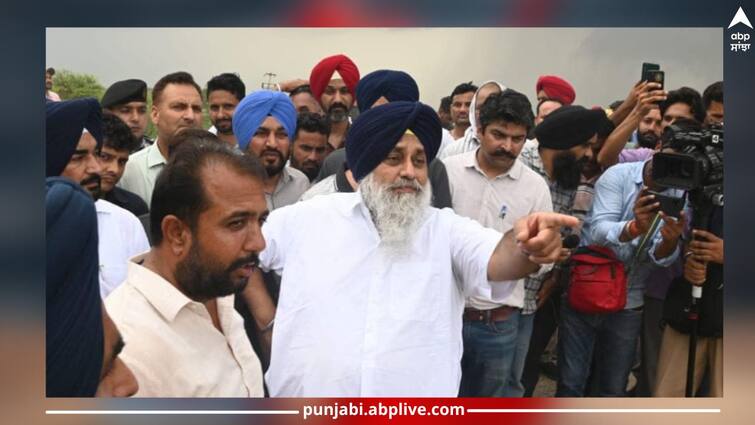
point(352, 321)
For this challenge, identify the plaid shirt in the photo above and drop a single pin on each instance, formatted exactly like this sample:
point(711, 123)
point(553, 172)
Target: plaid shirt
point(574, 202)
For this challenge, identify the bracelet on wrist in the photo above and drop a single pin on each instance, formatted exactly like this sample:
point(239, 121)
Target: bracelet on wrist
point(631, 229)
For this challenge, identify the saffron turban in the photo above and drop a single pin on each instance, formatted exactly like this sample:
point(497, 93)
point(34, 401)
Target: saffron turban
point(376, 132)
point(569, 126)
point(556, 88)
point(322, 73)
point(74, 334)
point(65, 121)
point(255, 107)
point(393, 85)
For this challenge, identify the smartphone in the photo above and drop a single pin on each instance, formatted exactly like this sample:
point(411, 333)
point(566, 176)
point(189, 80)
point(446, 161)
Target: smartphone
point(670, 205)
point(656, 76)
point(648, 67)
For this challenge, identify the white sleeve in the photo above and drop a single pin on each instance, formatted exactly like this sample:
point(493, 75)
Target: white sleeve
point(472, 245)
point(278, 234)
point(138, 242)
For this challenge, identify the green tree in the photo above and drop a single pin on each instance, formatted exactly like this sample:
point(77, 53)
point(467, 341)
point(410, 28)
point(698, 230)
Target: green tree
point(72, 85)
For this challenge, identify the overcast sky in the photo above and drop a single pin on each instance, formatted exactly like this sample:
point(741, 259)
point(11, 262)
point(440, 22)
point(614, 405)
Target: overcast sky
point(602, 64)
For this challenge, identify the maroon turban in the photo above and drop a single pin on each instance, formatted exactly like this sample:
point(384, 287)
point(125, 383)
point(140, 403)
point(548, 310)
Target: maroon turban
point(556, 88)
point(323, 72)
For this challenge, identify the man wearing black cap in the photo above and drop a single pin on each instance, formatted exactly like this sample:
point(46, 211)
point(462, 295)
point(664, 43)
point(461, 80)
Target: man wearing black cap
point(127, 100)
point(377, 310)
point(626, 218)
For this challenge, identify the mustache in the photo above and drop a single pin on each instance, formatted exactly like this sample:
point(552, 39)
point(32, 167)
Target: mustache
point(337, 105)
point(404, 182)
point(251, 258)
point(94, 178)
point(500, 152)
point(270, 150)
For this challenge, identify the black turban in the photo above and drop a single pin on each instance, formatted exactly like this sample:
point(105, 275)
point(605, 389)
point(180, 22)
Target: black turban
point(74, 338)
point(65, 123)
point(393, 85)
point(122, 92)
point(569, 126)
point(377, 131)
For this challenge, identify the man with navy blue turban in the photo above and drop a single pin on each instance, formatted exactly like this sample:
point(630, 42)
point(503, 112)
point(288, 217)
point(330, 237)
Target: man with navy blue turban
point(383, 86)
point(264, 123)
point(77, 326)
point(373, 282)
point(375, 89)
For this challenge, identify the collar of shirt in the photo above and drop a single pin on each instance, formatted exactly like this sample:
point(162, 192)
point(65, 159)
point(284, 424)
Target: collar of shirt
point(283, 181)
point(638, 178)
point(165, 297)
point(117, 195)
point(102, 206)
point(354, 207)
point(470, 161)
point(154, 157)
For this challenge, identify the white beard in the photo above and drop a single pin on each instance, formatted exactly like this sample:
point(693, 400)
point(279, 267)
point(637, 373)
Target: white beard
point(397, 216)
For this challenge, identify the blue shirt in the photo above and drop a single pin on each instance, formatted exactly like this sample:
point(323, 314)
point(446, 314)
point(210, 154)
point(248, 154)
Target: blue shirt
point(612, 207)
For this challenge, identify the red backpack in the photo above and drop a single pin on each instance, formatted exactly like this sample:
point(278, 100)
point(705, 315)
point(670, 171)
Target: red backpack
point(598, 282)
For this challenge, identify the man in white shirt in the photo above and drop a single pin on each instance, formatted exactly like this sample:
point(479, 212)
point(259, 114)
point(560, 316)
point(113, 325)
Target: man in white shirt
point(176, 104)
point(175, 309)
point(374, 282)
point(490, 186)
point(121, 236)
point(120, 233)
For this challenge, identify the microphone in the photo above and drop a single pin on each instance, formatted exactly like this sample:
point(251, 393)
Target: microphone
point(570, 242)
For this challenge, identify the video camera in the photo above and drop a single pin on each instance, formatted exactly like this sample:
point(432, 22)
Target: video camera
point(697, 166)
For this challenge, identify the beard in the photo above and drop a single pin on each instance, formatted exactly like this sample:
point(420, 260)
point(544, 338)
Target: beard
point(310, 168)
point(274, 168)
point(338, 112)
point(397, 216)
point(647, 139)
point(224, 126)
point(567, 170)
point(202, 279)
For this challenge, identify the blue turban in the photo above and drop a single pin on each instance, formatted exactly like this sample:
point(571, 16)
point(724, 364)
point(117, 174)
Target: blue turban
point(377, 131)
point(393, 85)
point(255, 107)
point(65, 122)
point(74, 337)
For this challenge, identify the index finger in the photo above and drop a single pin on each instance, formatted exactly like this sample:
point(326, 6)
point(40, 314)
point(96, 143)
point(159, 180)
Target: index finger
point(536, 222)
point(547, 220)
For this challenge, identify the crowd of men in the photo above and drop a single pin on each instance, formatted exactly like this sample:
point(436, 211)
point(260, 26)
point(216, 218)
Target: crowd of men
point(337, 237)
